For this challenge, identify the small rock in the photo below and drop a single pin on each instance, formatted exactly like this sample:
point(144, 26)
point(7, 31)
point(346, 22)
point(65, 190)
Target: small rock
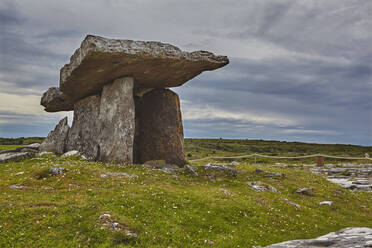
point(57, 171)
point(329, 203)
point(226, 192)
point(47, 188)
point(46, 153)
point(190, 169)
point(32, 146)
point(258, 170)
point(20, 173)
point(118, 174)
point(70, 154)
point(274, 174)
point(292, 203)
point(234, 163)
point(104, 216)
point(17, 187)
point(305, 191)
point(220, 167)
point(17, 156)
point(261, 188)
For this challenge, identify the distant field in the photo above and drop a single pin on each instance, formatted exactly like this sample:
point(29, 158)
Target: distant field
point(200, 148)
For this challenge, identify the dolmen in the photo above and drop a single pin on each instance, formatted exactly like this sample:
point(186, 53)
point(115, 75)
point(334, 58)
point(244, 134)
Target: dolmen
point(124, 111)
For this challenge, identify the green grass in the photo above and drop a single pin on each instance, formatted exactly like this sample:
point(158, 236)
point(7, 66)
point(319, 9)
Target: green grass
point(166, 210)
point(8, 147)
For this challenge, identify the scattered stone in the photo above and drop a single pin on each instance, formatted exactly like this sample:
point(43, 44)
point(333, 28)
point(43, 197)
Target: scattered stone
point(54, 100)
point(13, 157)
point(56, 140)
point(226, 192)
point(107, 222)
point(118, 174)
point(345, 238)
point(34, 146)
point(274, 174)
point(19, 173)
point(46, 153)
point(75, 186)
point(190, 170)
point(234, 163)
point(209, 242)
point(292, 203)
point(47, 188)
point(17, 187)
point(258, 170)
point(71, 154)
point(57, 171)
point(305, 191)
point(257, 186)
point(329, 203)
point(220, 167)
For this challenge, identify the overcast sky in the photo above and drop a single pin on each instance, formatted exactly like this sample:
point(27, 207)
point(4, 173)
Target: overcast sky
point(299, 70)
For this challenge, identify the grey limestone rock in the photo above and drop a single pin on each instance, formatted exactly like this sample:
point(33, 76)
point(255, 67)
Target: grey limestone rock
point(152, 64)
point(345, 238)
point(56, 140)
point(220, 167)
point(54, 100)
point(84, 133)
point(117, 122)
point(15, 156)
point(159, 122)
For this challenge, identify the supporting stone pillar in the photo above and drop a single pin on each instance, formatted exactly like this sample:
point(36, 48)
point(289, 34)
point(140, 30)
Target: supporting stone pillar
point(56, 140)
point(160, 134)
point(83, 135)
point(117, 122)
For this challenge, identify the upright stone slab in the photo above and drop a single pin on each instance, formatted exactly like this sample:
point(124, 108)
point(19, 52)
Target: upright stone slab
point(117, 122)
point(56, 140)
point(160, 135)
point(83, 135)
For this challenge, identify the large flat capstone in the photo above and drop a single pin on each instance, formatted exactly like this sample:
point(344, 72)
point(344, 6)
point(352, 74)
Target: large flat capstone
point(99, 61)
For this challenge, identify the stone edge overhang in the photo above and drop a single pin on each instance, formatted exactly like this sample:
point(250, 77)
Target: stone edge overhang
point(98, 44)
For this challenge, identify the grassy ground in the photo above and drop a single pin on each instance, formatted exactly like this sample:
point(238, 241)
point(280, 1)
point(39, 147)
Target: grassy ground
point(166, 210)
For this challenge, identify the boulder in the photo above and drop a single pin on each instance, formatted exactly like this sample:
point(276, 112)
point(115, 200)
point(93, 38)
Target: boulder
point(159, 122)
point(56, 140)
point(345, 238)
point(99, 61)
point(16, 156)
point(117, 122)
point(54, 100)
point(83, 135)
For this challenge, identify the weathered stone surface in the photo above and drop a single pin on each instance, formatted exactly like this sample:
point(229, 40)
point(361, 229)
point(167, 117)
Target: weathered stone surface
point(159, 121)
point(17, 156)
point(54, 100)
point(117, 122)
point(220, 167)
point(84, 133)
point(346, 238)
point(151, 64)
point(56, 140)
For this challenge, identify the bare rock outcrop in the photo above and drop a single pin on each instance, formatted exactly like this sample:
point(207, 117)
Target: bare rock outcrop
point(345, 238)
point(56, 140)
point(160, 125)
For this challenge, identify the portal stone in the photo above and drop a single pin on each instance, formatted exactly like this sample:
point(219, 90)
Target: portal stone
point(56, 140)
point(160, 135)
point(117, 122)
point(83, 135)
